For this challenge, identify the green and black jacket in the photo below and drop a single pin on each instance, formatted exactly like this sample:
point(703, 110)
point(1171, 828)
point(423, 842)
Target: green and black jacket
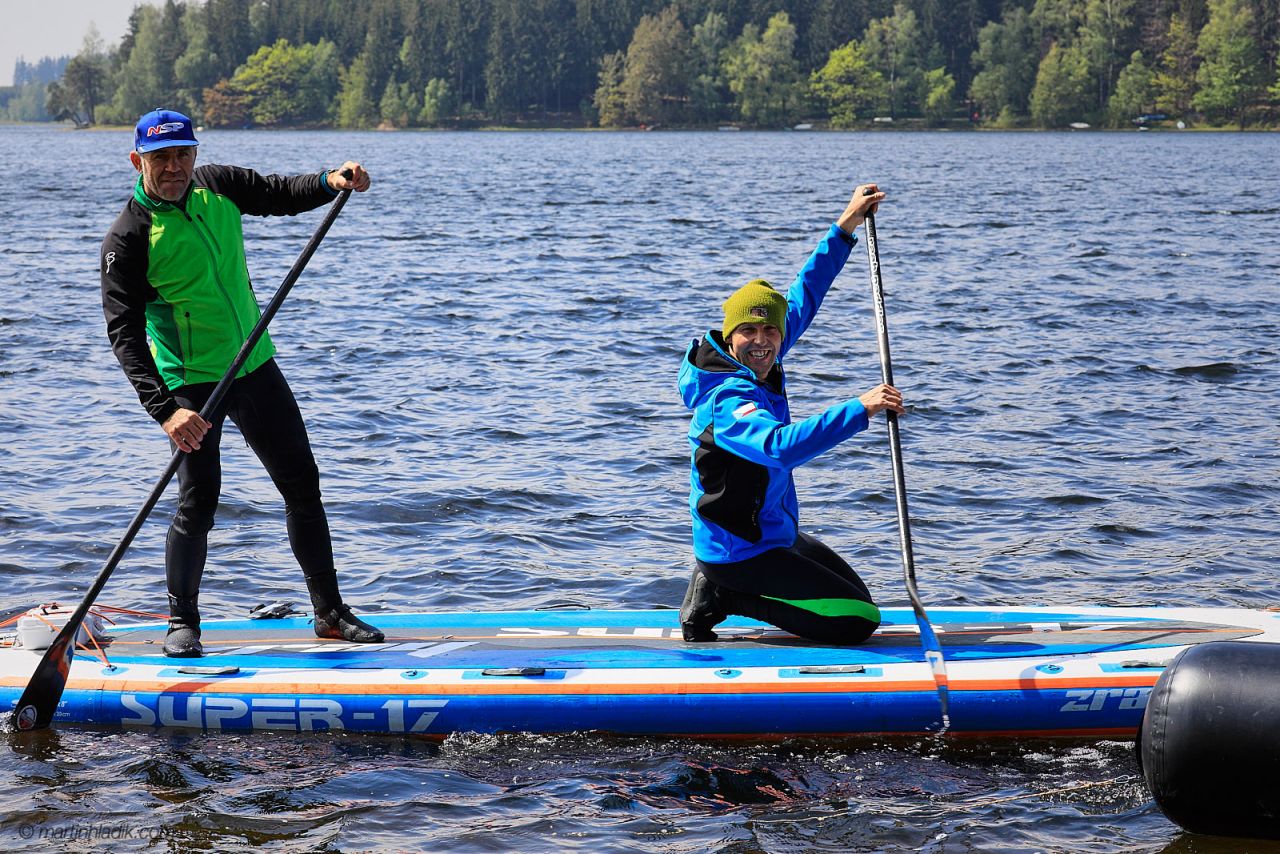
point(175, 286)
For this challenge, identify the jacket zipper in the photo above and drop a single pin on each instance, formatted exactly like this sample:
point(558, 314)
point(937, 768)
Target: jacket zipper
point(211, 247)
point(191, 345)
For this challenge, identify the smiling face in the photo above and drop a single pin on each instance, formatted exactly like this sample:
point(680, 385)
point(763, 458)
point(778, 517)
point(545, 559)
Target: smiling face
point(756, 346)
point(166, 172)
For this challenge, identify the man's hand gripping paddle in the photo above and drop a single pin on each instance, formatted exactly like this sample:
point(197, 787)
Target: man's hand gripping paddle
point(929, 640)
point(40, 700)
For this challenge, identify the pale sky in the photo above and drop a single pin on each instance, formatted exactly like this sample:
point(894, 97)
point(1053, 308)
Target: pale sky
point(33, 29)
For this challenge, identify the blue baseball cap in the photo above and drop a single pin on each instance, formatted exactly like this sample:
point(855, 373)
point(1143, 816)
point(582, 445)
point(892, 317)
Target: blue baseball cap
point(162, 129)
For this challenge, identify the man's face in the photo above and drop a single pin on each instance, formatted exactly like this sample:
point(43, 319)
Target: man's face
point(756, 346)
point(166, 172)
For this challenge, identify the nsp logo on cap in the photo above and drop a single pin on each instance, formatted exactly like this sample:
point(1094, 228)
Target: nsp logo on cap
point(166, 128)
point(162, 129)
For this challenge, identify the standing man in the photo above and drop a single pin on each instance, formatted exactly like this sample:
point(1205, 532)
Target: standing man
point(752, 558)
point(174, 271)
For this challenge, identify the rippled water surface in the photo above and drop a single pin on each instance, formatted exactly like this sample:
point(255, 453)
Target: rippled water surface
point(485, 349)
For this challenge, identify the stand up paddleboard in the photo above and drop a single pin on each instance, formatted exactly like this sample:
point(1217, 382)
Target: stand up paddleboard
point(1016, 671)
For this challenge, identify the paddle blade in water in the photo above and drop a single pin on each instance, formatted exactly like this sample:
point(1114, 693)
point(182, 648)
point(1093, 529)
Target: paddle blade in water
point(40, 699)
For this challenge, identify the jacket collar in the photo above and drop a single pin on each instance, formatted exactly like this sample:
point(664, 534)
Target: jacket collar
point(141, 197)
point(712, 355)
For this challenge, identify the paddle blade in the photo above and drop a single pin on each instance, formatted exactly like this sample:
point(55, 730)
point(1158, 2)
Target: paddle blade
point(40, 699)
point(938, 666)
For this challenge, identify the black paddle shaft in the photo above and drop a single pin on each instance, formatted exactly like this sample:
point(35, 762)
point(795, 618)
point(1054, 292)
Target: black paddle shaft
point(40, 700)
point(891, 417)
point(928, 639)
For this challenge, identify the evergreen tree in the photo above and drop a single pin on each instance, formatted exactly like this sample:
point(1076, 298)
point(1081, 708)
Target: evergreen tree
point(949, 29)
point(45, 70)
point(1135, 92)
point(287, 85)
point(938, 90)
point(1007, 63)
point(355, 108)
point(1106, 30)
point(229, 34)
point(656, 78)
point(763, 73)
point(393, 107)
point(823, 26)
point(1056, 21)
point(466, 35)
point(1175, 81)
point(413, 101)
point(322, 80)
point(197, 68)
point(892, 43)
point(437, 102)
point(143, 81)
point(557, 54)
point(1230, 76)
point(29, 102)
point(381, 50)
point(707, 88)
point(848, 85)
point(415, 60)
point(1062, 92)
point(83, 85)
point(171, 43)
point(609, 101)
point(511, 74)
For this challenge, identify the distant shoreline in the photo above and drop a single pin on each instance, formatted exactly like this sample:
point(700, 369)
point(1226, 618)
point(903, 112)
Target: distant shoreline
point(816, 129)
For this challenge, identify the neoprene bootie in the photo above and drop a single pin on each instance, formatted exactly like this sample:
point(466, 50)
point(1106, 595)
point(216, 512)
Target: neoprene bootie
point(701, 609)
point(340, 624)
point(184, 558)
point(183, 637)
point(334, 619)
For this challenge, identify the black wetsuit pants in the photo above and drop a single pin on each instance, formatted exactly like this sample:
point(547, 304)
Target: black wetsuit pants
point(262, 405)
point(807, 590)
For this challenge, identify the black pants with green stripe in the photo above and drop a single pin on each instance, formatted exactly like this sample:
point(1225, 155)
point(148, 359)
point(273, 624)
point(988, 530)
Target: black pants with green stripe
point(807, 590)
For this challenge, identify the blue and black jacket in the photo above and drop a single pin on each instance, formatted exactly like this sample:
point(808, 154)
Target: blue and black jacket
point(742, 495)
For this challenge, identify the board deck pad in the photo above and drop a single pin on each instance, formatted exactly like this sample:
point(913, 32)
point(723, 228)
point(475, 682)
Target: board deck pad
point(1043, 671)
point(560, 642)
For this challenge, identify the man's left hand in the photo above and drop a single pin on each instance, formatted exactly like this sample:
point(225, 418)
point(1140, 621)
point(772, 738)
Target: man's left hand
point(359, 180)
point(862, 204)
point(880, 398)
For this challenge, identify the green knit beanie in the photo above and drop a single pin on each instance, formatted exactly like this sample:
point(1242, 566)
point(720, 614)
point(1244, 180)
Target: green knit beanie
point(755, 302)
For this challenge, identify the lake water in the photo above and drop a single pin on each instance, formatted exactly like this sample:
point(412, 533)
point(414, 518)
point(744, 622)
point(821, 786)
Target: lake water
point(485, 349)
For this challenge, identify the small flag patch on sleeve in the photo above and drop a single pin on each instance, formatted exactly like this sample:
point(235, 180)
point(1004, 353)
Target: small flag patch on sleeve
point(744, 410)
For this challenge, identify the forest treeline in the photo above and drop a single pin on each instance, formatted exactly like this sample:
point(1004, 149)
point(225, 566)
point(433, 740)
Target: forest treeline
point(672, 63)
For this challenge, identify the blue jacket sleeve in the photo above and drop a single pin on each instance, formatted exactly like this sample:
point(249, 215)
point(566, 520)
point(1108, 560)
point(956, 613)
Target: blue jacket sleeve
point(748, 430)
point(805, 295)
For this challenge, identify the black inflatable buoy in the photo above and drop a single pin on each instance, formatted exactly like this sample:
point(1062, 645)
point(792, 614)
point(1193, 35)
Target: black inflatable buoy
point(1210, 740)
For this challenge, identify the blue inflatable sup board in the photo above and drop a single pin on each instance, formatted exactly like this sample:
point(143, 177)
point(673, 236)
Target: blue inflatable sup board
point(1012, 672)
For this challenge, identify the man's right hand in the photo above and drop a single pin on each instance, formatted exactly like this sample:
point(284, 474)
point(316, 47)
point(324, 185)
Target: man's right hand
point(880, 398)
point(186, 428)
